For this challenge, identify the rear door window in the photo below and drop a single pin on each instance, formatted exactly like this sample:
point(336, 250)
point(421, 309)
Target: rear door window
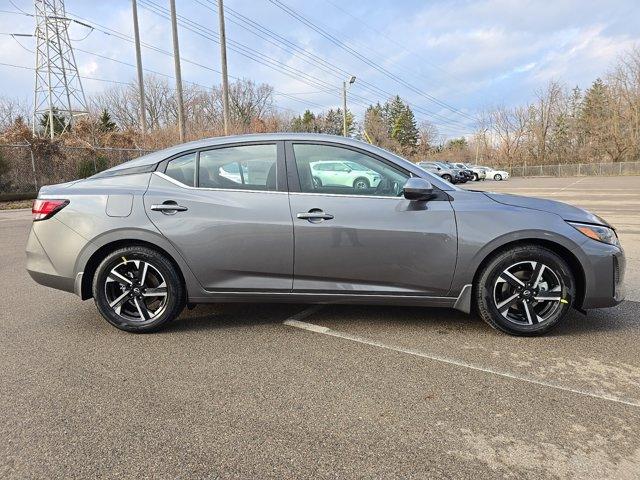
point(182, 169)
point(244, 167)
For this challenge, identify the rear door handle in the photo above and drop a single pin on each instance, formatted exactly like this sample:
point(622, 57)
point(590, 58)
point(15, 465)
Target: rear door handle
point(314, 215)
point(168, 207)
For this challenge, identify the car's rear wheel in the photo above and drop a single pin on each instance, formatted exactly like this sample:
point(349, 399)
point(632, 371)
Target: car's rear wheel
point(526, 290)
point(137, 289)
point(497, 176)
point(447, 177)
point(361, 183)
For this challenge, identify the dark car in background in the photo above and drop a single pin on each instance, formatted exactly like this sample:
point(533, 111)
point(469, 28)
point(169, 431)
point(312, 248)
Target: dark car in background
point(466, 172)
point(476, 173)
point(446, 172)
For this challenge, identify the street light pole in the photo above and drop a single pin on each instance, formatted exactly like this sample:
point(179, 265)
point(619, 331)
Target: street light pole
point(136, 34)
point(352, 80)
point(176, 61)
point(225, 76)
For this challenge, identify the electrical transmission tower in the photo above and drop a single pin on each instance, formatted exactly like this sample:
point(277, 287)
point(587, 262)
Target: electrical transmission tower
point(58, 93)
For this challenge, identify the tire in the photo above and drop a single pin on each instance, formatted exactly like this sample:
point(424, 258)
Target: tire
point(447, 178)
point(361, 183)
point(528, 313)
point(135, 306)
point(497, 177)
point(475, 177)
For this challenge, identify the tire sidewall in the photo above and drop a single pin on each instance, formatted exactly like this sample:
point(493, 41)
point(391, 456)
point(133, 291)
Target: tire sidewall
point(175, 289)
point(495, 267)
point(363, 180)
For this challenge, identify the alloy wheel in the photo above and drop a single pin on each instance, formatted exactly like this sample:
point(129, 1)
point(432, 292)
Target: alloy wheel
point(136, 291)
point(528, 293)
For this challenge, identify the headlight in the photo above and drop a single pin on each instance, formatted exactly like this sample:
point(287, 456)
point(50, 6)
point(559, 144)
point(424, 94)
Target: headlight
point(597, 232)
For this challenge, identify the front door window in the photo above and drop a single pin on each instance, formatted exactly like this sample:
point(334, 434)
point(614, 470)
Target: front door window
point(337, 170)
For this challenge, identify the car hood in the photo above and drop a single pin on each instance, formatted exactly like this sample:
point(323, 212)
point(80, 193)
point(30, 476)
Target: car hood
point(566, 211)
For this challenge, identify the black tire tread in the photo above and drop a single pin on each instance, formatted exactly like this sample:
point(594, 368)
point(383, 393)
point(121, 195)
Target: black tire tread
point(532, 251)
point(174, 281)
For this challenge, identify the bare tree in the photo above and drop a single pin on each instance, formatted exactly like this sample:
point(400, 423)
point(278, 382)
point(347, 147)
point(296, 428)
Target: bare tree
point(12, 109)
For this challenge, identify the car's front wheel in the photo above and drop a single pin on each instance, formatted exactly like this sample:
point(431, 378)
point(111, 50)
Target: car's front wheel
point(361, 183)
point(475, 177)
point(497, 176)
point(137, 289)
point(526, 290)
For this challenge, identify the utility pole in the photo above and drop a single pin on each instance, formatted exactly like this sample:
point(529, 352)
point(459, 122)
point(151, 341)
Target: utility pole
point(225, 77)
point(176, 61)
point(58, 91)
point(136, 34)
point(352, 80)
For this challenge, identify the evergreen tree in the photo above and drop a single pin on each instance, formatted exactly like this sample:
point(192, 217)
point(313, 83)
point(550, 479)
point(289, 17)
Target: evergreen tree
point(304, 123)
point(594, 118)
point(404, 129)
point(457, 144)
point(105, 124)
point(60, 124)
point(331, 122)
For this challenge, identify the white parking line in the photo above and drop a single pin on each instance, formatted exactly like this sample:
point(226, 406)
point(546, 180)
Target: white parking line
point(295, 321)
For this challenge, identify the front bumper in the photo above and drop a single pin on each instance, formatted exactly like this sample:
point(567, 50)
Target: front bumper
point(604, 275)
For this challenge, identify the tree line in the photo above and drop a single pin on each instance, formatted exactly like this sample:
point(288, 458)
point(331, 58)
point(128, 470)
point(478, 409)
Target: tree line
point(559, 125)
point(567, 125)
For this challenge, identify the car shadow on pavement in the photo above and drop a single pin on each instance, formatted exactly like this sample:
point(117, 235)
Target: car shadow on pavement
point(378, 318)
point(231, 315)
point(625, 316)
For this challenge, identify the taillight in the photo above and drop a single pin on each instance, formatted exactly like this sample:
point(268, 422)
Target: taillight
point(44, 208)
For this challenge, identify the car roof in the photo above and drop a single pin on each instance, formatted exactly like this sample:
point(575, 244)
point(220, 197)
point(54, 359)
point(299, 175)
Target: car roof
point(160, 155)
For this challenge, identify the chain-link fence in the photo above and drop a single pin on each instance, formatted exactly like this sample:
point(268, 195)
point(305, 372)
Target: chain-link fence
point(575, 170)
point(23, 170)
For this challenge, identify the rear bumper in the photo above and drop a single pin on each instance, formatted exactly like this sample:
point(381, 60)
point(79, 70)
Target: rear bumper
point(54, 266)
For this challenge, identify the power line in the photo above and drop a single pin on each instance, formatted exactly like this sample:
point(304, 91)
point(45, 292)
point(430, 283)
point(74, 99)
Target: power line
point(273, 63)
point(363, 22)
point(84, 77)
point(250, 53)
point(119, 82)
point(336, 41)
point(240, 48)
point(114, 33)
point(274, 38)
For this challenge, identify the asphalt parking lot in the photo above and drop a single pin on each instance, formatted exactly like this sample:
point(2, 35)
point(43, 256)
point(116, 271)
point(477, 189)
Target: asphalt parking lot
point(288, 391)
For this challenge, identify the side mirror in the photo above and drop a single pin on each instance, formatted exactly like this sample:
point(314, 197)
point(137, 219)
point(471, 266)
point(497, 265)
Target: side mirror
point(417, 188)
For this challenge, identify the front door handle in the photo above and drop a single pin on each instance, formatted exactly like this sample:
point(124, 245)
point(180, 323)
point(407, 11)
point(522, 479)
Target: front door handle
point(169, 207)
point(315, 215)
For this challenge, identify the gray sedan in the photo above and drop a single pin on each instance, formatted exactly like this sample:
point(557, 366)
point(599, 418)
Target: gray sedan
point(176, 228)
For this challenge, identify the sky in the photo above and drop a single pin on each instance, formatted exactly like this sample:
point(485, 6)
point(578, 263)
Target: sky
point(448, 59)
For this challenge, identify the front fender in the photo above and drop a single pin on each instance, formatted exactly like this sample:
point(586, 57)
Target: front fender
point(485, 226)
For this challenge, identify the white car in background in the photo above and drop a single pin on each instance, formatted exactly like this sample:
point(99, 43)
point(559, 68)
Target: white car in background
point(343, 173)
point(496, 174)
